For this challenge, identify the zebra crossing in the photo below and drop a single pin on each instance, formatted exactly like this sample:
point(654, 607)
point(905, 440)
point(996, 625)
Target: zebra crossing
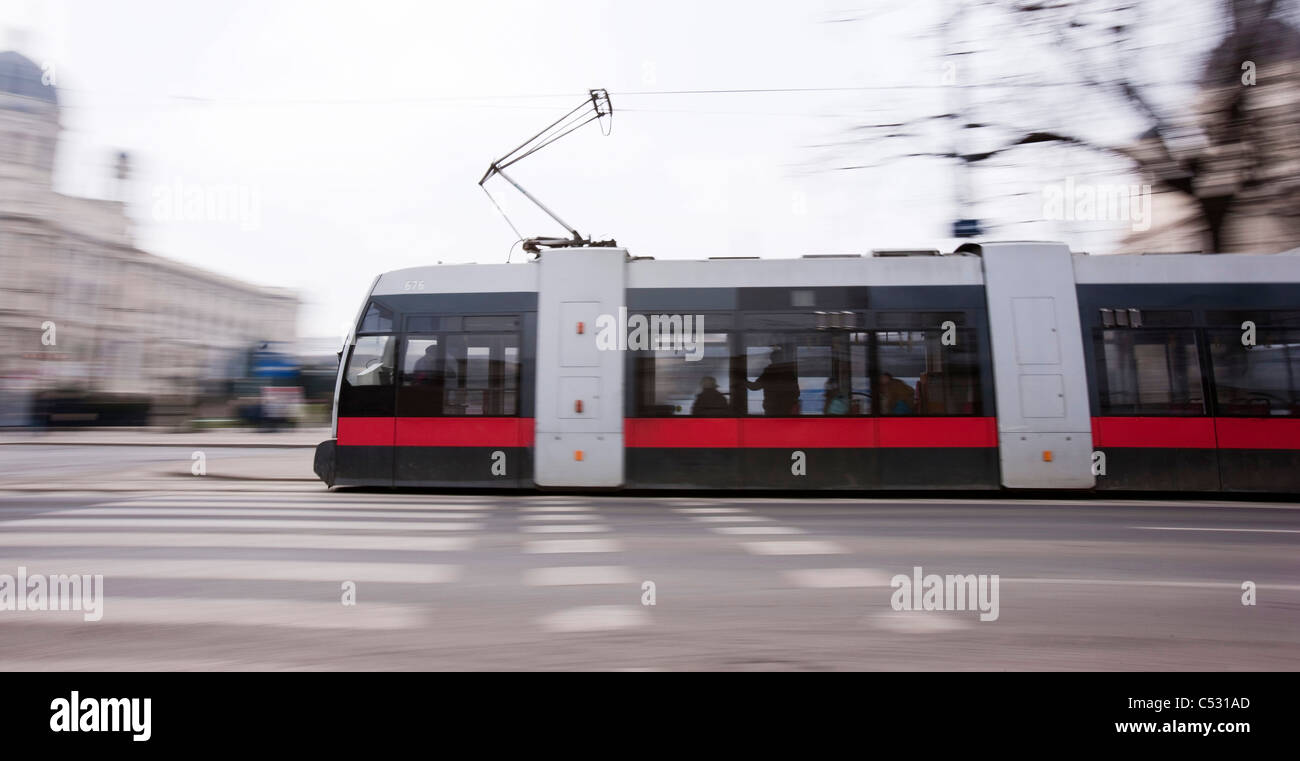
point(563, 517)
point(283, 559)
point(144, 544)
point(220, 580)
point(742, 522)
point(306, 541)
point(182, 540)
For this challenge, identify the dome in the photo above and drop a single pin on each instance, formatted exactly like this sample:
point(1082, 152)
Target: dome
point(19, 76)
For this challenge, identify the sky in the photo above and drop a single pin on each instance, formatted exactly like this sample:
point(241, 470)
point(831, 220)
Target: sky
point(351, 135)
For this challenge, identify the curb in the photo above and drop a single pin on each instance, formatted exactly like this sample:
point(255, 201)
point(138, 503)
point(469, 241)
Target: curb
point(272, 479)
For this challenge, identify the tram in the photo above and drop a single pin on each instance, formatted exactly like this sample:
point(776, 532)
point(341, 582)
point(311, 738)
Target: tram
point(1016, 365)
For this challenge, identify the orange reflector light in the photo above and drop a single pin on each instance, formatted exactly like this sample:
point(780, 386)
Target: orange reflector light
point(579, 328)
point(577, 455)
point(577, 406)
point(1047, 455)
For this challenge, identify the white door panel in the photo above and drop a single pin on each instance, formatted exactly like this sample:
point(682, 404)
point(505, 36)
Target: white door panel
point(579, 436)
point(1044, 423)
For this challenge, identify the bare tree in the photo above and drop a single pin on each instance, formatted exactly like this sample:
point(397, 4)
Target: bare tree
point(1230, 149)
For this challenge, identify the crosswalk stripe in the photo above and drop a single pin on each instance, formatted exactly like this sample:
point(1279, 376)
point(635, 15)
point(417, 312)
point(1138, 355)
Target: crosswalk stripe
point(729, 518)
point(561, 546)
point(562, 528)
point(243, 570)
point(252, 541)
point(594, 618)
point(708, 510)
point(185, 524)
point(165, 611)
point(554, 509)
point(556, 517)
point(236, 512)
point(1211, 528)
point(918, 622)
point(578, 576)
point(838, 578)
point(755, 530)
point(1150, 583)
point(794, 548)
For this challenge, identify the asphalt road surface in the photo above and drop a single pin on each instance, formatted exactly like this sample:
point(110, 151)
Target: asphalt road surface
point(249, 580)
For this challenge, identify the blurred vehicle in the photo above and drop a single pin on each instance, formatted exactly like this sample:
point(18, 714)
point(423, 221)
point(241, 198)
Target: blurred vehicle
point(267, 391)
point(1011, 365)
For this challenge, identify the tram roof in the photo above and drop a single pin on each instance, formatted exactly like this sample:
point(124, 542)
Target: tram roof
point(880, 268)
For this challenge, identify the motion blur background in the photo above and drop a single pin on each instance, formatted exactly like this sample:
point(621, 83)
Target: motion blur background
point(194, 196)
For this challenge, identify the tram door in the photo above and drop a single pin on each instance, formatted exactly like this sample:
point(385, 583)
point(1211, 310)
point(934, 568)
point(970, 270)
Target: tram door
point(579, 435)
point(1044, 420)
point(457, 407)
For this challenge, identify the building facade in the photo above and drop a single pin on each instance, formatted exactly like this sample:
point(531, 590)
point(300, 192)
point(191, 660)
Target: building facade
point(1249, 114)
point(81, 308)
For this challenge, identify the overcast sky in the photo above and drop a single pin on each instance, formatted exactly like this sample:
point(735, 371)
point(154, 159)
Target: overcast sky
point(358, 130)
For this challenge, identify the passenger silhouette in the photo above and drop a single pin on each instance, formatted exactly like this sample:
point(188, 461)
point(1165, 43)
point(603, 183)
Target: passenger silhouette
point(426, 367)
point(710, 402)
point(837, 402)
point(896, 397)
point(427, 376)
point(780, 384)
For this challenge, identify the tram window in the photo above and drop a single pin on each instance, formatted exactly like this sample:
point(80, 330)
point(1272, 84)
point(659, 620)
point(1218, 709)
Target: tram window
point(782, 320)
point(823, 373)
point(689, 381)
point(423, 381)
point(421, 324)
point(919, 373)
point(510, 381)
point(1258, 380)
point(1149, 372)
point(481, 375)
point(490, 323)
point(477, 381)
point(422, 364)
point(905, 320)
point(1164, 318)
point(1273, 318)
point(859, 377)
point(430, 324)
point(368, 380)
point(378, 319)
point(371, 363)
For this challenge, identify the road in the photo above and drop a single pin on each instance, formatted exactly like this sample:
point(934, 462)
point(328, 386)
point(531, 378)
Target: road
point(215, 574)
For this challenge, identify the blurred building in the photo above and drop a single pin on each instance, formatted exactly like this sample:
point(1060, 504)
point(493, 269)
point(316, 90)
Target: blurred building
point(80, 306)
point(1250, 171)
